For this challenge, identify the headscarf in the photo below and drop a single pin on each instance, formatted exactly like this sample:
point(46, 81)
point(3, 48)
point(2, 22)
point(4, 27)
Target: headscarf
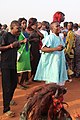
point(58, 16)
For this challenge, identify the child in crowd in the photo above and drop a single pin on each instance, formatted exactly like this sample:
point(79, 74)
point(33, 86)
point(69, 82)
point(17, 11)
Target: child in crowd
point(52, 64)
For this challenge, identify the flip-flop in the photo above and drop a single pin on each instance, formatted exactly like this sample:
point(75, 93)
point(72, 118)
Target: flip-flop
point(29, 83)
point(23, 87)
point(10, 114)
point(12, 102)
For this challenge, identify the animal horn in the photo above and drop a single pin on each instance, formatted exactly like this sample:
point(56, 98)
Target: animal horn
point(56, 94)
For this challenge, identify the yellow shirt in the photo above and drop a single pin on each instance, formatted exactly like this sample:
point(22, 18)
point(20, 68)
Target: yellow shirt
point(70, 44)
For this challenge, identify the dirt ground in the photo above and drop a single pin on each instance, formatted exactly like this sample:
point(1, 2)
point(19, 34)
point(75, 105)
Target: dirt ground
point(72, 97)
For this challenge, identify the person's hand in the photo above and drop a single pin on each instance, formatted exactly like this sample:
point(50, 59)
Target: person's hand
point(34, 27)
point(10, 46)
point(25, 40)
point(60, 48)
point(16, 44)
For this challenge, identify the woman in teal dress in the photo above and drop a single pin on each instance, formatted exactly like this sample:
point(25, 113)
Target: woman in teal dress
point(52, 64)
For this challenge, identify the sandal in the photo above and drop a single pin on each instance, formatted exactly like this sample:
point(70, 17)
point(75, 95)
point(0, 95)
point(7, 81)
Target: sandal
point(29, 83)
point(69, 80)
point(23, 87)
point(12, 102)
point(10, 114)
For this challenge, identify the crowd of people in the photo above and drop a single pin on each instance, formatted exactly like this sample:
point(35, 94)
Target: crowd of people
point(37, 51)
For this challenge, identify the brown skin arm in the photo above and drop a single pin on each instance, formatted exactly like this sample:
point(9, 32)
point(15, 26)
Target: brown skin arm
point(40, 34)
point(47, 49)
point(4, 48)
point(23, 41)
point(13, 45)
point(17, 44)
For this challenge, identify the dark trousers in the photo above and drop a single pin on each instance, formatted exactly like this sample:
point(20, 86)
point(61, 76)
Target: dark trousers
point(34, 62)
point(24, 77)
point(9, 83)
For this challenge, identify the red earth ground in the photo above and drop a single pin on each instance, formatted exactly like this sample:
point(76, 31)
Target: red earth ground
point(72, 97)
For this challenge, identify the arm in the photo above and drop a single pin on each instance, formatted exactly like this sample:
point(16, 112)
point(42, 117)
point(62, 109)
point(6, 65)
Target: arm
point(23, 41)
point(4, 48)
point(40, 34)
point(17, 44)
point(47, 49)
